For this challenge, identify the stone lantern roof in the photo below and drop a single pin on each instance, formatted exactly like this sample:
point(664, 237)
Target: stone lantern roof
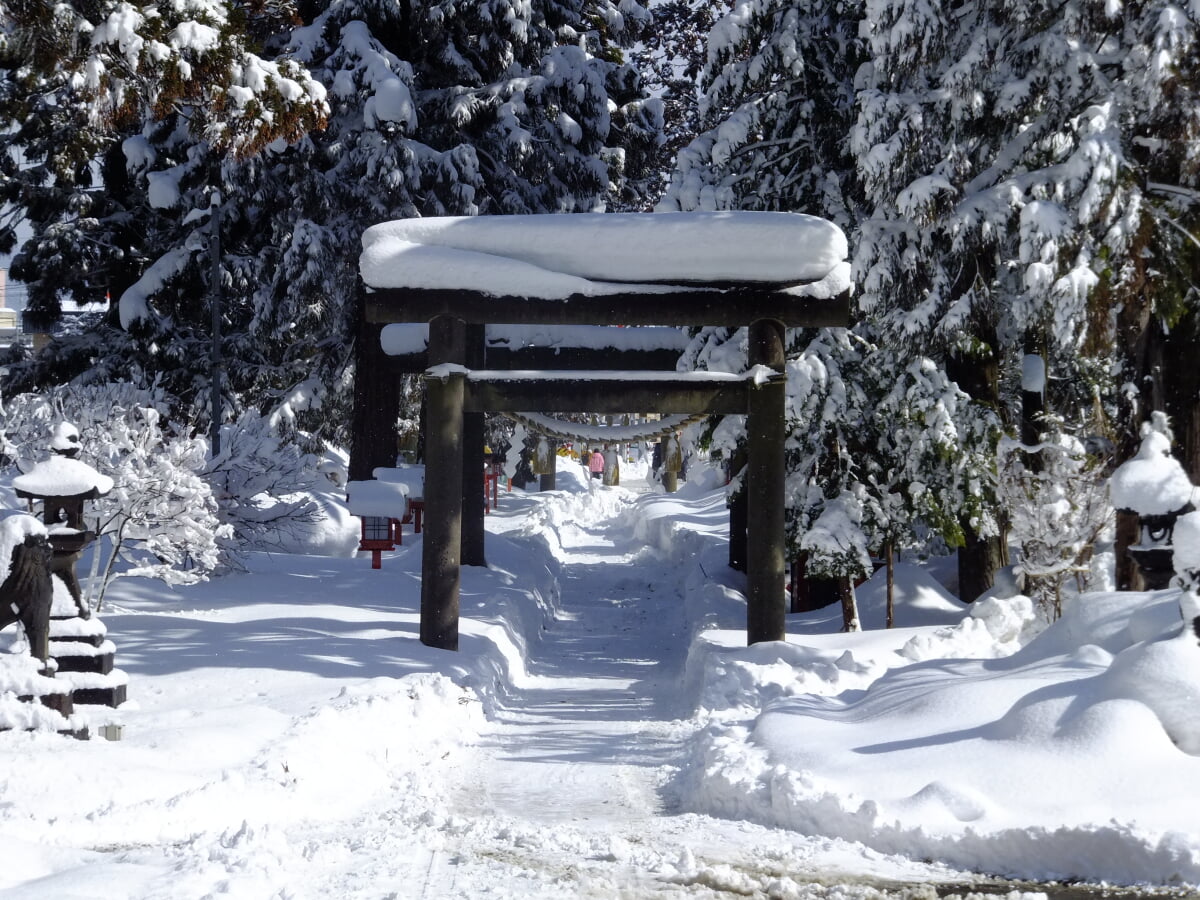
point(62, 477)
point(1152, 483)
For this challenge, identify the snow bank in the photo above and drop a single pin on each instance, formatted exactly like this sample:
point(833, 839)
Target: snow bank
point(1062, 760)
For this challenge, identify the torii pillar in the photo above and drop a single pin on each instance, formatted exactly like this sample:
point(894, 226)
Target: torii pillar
point(765, 433)
point(441, 548)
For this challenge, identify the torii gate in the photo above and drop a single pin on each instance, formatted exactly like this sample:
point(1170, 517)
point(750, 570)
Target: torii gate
point(767, 271)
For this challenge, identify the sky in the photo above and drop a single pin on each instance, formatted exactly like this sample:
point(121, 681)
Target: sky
point(604, 732)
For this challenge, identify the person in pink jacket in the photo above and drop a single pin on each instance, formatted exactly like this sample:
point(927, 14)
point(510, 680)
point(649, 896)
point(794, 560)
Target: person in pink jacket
point(596, 463)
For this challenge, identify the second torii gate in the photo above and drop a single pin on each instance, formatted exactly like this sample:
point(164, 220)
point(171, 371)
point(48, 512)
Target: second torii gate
point(767, 271)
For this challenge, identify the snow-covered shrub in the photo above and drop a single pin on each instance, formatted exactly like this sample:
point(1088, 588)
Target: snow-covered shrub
point(161, 515)
point(263, 483)
point(1056, 498)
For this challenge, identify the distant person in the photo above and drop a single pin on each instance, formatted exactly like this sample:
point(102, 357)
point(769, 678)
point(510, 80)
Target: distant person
point(596, 464)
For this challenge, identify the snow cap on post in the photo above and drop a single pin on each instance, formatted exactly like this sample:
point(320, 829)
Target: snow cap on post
point(388, 499)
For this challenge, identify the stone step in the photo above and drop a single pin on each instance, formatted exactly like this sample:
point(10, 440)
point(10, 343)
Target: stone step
point(100, 664)
point(112, 696)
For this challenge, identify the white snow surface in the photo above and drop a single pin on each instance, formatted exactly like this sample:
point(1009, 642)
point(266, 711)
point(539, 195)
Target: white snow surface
point(400, 339)
point(1153, 482)
point(595, 254)
point(604, 732)
point(377, 498)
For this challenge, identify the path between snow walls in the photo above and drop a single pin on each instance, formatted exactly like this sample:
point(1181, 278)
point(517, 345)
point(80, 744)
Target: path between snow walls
point(574, 780)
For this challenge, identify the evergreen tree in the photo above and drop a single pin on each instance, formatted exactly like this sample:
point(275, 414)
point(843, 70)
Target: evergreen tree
point(778, 106)
point(426, 109)
point(76, 80)
point(1010, 150)
point(671, 57)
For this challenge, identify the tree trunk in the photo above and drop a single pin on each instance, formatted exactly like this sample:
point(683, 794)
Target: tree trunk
point(1181, 380)
point(845, 592)
point(978, 561)
point(1140, 344)
point(374, 438)
point(977, 373)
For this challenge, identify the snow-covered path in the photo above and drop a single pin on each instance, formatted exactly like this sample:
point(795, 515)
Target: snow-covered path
point(570, 790)
point(589, 734)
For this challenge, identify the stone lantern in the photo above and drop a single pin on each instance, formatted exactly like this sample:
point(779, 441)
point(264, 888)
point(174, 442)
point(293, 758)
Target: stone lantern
point(1154, 486)
point(63, 484)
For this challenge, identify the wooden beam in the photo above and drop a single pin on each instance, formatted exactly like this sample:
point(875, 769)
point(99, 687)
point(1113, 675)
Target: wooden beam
point(569, 358)
point(601, 392)
point(732, 307)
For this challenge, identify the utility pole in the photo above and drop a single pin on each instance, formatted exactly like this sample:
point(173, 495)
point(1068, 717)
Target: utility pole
point(215, 356)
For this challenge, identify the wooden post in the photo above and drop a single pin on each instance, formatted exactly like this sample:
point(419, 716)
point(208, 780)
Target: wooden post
point(1128, 533)
point(765, 432)
point(443, 486)
point(737, 516)
point(890, 559)
point(473, 500)
point(547, 481)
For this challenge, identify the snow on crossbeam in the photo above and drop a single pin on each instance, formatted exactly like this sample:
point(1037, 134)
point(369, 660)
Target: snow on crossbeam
point(781, 266)
point(672, 248)
point(405, 339)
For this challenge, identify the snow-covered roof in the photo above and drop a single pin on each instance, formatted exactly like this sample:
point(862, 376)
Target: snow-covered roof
point(595, 254)
point(377, 498)
point(411, 476)
point(400, 339)
point(1153, 482)
point(59, 476)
